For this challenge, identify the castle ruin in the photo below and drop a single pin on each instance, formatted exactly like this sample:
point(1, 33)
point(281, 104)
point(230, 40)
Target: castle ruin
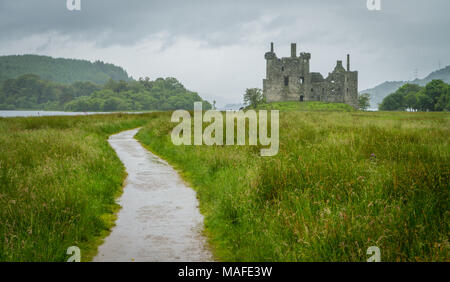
point(289, 79)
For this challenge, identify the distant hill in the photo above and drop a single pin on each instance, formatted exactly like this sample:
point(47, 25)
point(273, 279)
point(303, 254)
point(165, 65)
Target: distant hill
point(60, 70)
point(382, 90)
point(232, 107)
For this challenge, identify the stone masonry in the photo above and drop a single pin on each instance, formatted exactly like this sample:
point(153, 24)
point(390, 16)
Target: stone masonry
point(289, 79)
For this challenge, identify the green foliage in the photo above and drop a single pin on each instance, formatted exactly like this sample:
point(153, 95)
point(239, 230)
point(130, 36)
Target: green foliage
point(341, 182)
point(443, 104)
point(364, 101)
point(379, 92)
point(253, 97)
point(393, 102)
point(59, 179)
point(432, 97)
point(307, 106)
point(60, 70)
point(30, 92)
point(161, 94)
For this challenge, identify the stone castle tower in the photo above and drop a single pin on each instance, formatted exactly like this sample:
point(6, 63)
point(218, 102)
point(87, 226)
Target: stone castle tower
point(289, 79)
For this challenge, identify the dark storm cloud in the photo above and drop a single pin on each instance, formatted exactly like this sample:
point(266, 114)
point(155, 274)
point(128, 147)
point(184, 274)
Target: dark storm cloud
point(221, 22)
point(124, 22)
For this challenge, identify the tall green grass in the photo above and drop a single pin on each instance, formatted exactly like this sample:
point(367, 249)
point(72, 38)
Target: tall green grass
point(58, 182)
point(341, 182)
point(307, 106)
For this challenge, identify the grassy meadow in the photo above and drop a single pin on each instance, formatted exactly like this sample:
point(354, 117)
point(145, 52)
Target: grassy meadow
point(342, 181)
point(307, 106)
point(58, 181)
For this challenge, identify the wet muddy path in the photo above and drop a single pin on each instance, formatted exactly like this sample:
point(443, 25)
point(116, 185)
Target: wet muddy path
point(159, 219)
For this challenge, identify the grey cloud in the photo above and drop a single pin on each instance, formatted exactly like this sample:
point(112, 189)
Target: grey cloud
point(125, 21)
point(219, 23)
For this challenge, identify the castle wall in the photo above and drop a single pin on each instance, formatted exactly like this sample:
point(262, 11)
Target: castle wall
point(289, 79)
point(351, 96)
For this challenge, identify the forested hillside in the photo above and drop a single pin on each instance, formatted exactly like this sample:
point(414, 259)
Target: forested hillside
point(31, 92)
point(60, 70)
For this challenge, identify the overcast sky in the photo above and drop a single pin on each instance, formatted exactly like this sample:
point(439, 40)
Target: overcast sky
point(216, 47)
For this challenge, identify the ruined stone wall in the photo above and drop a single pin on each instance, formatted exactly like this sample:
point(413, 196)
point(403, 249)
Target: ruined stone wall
point(286, 78)
point(351, 96)
point(289, 79)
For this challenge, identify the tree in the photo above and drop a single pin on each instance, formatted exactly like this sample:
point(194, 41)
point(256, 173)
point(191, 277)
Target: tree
point(434, 90)
point(409, 88)
point(443, 103)
point(404, 98)
point(114, 104)
point(364, 101)
point(393, 102)
point(84, 88)
point(424, 102)
point(31, 92)
point(411, 101)
point(253, 97)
